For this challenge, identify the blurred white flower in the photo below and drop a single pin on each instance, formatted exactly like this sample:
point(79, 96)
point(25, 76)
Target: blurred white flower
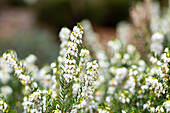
point(6, 90)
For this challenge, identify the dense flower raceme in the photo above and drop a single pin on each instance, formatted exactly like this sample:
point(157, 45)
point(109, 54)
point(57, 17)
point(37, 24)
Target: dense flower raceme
point(22, 75)
point(80, 75)
point(86, 95)
point(89, 77)
point(158, 83)
point(92, 40)
point(64, 37)
point(5, 71)
point(69, 67)
point(5, 77)
point(36, 102)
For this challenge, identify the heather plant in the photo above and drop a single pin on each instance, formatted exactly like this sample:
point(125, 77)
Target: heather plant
point(118, 81)
point(122, 82)
point(66, 85)
point(126, 85)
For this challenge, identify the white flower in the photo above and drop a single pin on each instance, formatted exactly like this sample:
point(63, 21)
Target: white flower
point(1, 107)
point(123, 111)
point(110, 90)
point(157, 37)
point(126, 56)
point(145, 106)
point(108, 99)
point(159, 109)
point(131, 49)
point(156, 45)
point(166, 50)
point(102, 111)
point(64, 34)
point(53, 64)
point(1, 102)
point(75, 88)
point(31, 59)
point(6, 90)
point(158, 63)
point(153, 60)
point(162, 109)
point(167, 105)
point(152, 109)
point(127, 100)
point(5, 106)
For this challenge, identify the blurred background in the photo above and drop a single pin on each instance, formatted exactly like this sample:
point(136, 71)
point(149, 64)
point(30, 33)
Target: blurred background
point(32, 26)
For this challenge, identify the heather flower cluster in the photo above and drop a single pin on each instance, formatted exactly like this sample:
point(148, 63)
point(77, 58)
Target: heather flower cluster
point(132, 81)
point(89, 78)
point(72, 52)
point(20, 72)
point(71, 79)
point(64, 37)
point(158, 84)
point(36, 102)
point(123, 79)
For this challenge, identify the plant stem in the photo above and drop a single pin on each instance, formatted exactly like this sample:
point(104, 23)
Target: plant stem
point(62, 109)
point(136, 96)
